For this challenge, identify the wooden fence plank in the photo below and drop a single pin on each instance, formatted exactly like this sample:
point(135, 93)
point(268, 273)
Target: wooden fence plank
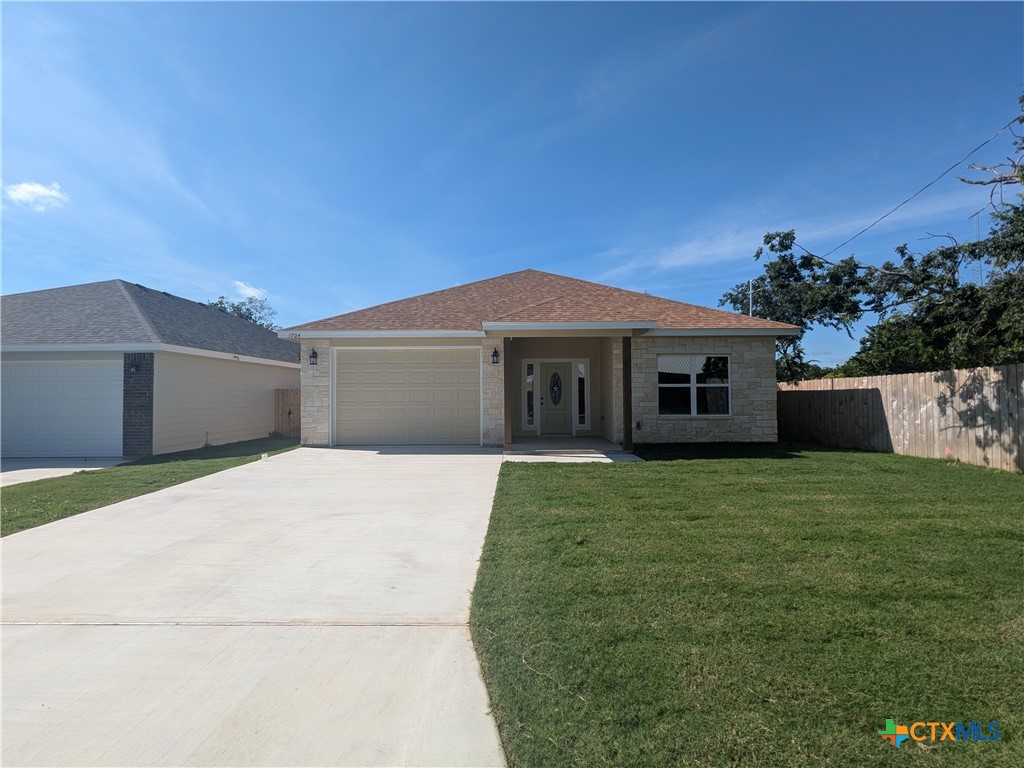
point(1019, 420)
point(287, 419)
point(973, 414)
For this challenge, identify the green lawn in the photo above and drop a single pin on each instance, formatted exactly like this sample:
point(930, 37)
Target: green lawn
point(752, 607)
point(27, 505)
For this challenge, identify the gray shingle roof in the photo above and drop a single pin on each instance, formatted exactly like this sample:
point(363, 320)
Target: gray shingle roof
point(117, 312)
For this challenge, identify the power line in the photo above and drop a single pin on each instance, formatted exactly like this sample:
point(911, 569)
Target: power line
point(922, 189)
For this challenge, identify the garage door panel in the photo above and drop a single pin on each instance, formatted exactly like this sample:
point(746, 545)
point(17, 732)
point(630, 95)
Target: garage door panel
point(62, 408)
point(89, 389)
point(429, 396)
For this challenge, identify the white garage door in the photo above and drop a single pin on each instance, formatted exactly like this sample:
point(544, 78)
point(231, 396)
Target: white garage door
point(407, 397)
point(61, 408)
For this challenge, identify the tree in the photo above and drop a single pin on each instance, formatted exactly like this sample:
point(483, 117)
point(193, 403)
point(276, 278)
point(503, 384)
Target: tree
point(254, 310)
point(930, 317)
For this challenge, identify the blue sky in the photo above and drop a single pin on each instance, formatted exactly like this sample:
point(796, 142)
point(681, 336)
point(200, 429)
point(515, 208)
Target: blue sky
point(332, 155)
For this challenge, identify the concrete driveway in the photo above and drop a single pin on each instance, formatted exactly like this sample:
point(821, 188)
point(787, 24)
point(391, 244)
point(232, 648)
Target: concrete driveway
point(14, 471)
point(308, 609)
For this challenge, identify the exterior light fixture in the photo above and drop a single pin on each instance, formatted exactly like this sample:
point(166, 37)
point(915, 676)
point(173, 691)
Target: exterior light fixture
point(495, 357)
point(312, 357)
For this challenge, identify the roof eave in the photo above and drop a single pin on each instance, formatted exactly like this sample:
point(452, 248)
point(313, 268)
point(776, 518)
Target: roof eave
point(146, 347)
point(724, 332)
point(628, 325)
point(299, 334)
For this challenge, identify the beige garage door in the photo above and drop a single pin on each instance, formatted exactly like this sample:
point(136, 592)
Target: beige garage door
point(407, 397)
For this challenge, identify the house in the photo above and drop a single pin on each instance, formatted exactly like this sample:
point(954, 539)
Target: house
point(114, 369)
point(529, 355)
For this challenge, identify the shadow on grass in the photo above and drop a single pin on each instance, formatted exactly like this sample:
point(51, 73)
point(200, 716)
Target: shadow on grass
point(691, 451)
point(228, 451)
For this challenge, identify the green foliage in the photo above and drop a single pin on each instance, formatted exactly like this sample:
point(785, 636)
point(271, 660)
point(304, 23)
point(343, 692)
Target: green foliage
point(931, 317)
point(254, 310)
point(750, 605)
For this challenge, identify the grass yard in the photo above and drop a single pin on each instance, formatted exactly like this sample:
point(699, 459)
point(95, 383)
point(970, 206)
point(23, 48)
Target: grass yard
point(27, 505)
point(753, 607)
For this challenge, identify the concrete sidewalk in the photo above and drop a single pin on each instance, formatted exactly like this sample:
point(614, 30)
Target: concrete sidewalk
point(308, 609)
point(14, 471)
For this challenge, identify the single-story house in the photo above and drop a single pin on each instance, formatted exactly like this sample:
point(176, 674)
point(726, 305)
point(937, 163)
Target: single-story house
point(529, 355)
point(115, 369)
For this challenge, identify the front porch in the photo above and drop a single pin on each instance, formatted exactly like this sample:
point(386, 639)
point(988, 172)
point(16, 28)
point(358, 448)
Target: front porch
point(567, 449)
point(567, 392)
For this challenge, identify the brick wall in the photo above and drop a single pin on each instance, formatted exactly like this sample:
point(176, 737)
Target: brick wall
point(137, 404)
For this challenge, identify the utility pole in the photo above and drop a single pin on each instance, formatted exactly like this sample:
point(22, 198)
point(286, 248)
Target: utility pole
point(750, 298)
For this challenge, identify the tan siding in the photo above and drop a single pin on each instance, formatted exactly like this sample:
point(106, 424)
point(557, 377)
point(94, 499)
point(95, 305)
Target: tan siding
point(204, 399)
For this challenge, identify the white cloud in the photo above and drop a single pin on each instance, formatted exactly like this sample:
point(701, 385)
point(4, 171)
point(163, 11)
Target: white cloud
point(718, 240)
point(36, 196)
point(247, 291)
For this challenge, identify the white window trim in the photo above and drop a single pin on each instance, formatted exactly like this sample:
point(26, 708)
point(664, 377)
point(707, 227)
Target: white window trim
point(535, 428)
point(523, 413)
point(694, 386)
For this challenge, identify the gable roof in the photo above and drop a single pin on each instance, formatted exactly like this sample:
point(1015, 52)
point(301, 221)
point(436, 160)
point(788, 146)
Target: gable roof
point(534, 297)
point(122, 313)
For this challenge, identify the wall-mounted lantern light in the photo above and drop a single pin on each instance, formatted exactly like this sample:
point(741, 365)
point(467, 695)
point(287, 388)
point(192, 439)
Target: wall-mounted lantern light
point(312, 357)
point(495, 357)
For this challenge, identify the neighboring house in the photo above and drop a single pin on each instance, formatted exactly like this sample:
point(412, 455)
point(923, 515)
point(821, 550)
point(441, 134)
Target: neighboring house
point(531, 354)
point(117, 369)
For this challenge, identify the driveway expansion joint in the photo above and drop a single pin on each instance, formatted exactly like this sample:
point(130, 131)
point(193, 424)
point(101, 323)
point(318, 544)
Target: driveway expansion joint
point(233, 624)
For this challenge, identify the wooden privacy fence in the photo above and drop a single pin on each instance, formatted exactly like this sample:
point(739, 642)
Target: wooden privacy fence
point(971, 415)
point(286, 412)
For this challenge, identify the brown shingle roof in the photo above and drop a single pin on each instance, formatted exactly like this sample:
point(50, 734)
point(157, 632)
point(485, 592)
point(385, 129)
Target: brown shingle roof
point(530, 296)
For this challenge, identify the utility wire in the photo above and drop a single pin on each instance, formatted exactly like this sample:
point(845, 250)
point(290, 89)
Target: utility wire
point(922, 189)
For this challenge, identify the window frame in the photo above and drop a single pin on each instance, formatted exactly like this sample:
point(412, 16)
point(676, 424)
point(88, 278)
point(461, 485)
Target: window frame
point(694, 386)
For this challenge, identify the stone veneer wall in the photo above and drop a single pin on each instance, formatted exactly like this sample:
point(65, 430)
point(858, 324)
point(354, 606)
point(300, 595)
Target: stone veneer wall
point(493, 394)
point(753, 395)
point(315, 397)
point(753, 391)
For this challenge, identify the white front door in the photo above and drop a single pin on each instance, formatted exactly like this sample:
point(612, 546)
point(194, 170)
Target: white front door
point(555, 393)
